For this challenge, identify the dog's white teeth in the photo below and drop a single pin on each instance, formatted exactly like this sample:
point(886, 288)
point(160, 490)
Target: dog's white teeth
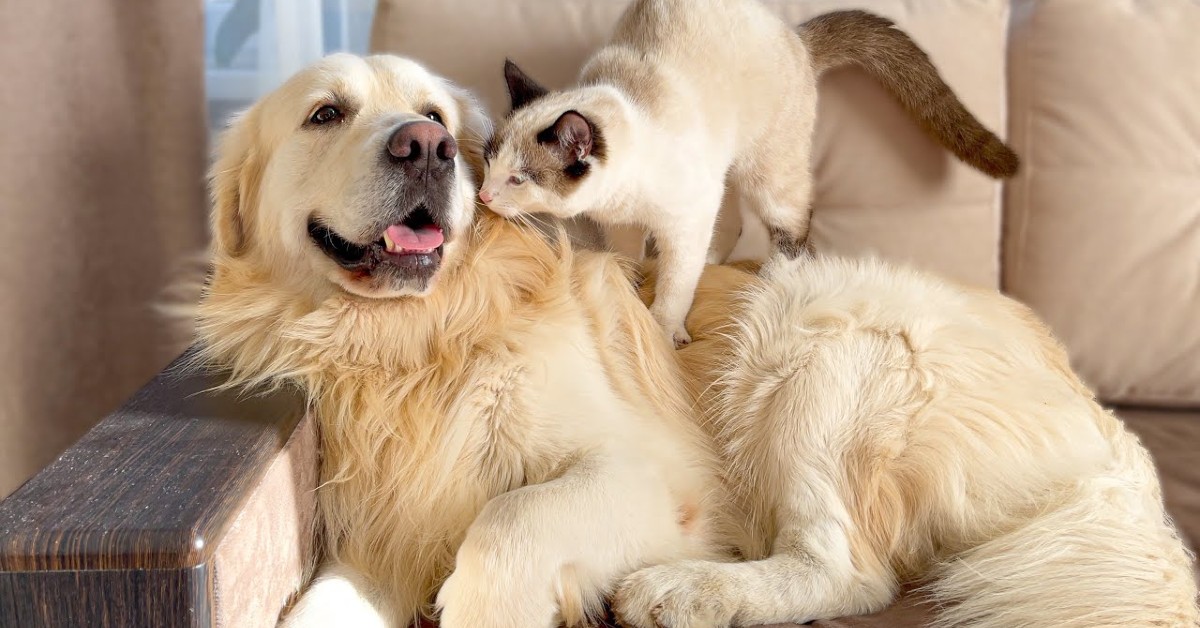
point(387, 242)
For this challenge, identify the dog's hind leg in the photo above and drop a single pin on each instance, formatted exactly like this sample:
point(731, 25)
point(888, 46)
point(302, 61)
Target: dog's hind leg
point(811, 421)
point(810, 576)
point(813, 571)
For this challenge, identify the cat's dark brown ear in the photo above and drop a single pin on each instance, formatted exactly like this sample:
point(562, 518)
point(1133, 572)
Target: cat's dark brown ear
point(522, 89)
point(572, 137)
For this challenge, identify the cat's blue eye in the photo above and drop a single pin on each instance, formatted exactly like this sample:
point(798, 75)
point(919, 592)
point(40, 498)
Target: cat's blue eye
point(515, 180)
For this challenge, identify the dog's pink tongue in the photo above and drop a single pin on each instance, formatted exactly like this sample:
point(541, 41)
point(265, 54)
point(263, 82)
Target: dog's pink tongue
point(421, 239)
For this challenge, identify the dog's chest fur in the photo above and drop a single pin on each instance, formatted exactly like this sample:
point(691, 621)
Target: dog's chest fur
point(524, 359)
point(422, 451)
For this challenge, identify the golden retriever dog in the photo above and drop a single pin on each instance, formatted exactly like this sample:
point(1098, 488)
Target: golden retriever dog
point(504, 428)
point(508, 439)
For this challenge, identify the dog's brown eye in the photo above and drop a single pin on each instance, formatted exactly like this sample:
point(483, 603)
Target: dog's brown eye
point(326, 114)
point(436, 117)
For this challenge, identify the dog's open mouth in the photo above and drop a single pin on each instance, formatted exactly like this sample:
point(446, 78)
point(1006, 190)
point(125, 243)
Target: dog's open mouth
point(413, 246)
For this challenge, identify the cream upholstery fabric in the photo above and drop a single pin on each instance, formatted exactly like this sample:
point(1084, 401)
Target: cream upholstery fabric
point(882, 187)
point(1103, 232)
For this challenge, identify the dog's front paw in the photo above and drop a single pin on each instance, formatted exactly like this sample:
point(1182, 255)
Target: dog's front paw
point(474, 597)
point(456, 599)
point(683, 595)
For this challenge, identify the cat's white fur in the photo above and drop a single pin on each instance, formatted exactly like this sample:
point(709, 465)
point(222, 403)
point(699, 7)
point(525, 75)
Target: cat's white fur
point(697, 112)
point(689, 96)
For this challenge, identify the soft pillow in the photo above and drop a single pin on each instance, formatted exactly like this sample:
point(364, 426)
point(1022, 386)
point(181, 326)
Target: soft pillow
point(1103, 230)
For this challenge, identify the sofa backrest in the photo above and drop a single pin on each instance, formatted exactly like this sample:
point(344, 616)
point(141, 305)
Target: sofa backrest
point(1104, 243)
point(1102, 233)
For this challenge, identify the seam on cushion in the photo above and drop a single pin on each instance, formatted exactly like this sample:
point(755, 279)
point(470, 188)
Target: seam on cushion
point(1000, 194)
point(1027, 129)
point(1145, 391)
point(1174, 397)
point(1154, 400)
point(1149, 391)
point(1133, 407)
point(1015, 258)
point(1137, 172)
point(981, 202)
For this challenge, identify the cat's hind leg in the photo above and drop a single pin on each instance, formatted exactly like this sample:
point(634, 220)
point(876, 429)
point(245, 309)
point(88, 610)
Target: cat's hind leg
point(728, 228)
point(777, 182)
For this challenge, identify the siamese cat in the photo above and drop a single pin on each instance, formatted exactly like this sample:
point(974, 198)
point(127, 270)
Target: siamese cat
point(690, 95)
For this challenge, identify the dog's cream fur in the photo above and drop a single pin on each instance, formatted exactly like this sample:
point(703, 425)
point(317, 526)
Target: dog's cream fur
point(881, 427)
point(519, 440)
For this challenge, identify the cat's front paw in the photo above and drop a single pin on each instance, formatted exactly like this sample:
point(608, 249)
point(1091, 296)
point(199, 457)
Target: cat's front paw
point(675, 331)
point(683, 595)
point(679, 337)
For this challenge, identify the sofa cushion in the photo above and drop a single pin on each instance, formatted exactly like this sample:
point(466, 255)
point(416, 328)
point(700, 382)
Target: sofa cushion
point(882, 187)
point(1103, 230)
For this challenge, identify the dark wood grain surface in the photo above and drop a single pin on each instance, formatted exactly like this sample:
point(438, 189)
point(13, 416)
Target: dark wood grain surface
point(151, 598)
point(154, 485)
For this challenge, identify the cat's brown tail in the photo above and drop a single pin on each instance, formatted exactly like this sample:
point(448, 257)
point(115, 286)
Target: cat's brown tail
point(891, 57)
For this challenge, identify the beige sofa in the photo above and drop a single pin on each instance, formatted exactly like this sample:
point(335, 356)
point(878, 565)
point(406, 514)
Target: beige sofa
point(1100, 233)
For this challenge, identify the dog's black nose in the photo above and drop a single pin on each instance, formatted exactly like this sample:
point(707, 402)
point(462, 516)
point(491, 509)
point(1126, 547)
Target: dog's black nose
point(423, 144)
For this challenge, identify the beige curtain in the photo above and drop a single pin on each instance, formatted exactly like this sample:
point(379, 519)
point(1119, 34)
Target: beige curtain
point(102, 152)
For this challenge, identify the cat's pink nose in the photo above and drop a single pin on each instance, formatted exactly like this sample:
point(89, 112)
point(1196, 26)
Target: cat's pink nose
point(485, 195)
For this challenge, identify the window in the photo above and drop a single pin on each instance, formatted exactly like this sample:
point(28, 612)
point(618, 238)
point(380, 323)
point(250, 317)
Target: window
point(251, 46)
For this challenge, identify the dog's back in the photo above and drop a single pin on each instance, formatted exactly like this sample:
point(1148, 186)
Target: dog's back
point(882, 428)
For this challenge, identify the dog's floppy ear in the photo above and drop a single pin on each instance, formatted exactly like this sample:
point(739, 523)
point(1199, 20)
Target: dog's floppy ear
point(234, 180)
point(522, 89)
point(474, 129)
